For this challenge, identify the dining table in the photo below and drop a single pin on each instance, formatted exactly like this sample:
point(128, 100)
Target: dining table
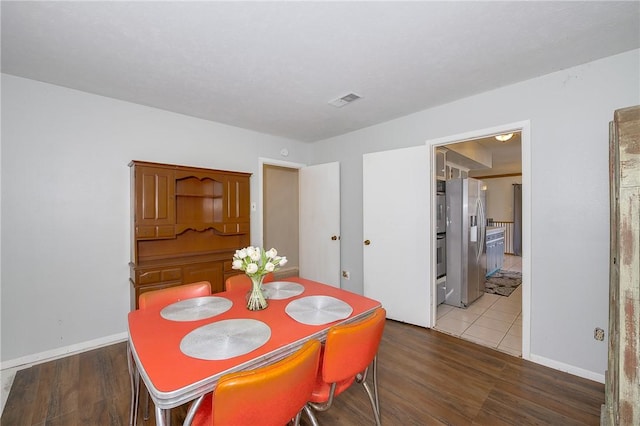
point(181, 350)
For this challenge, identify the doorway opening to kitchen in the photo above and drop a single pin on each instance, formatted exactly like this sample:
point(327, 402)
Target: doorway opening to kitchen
point(497, 315)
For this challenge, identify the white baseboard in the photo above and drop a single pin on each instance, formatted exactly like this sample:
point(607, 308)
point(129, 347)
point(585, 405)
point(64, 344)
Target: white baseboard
point(571, 369)
point(29, 360)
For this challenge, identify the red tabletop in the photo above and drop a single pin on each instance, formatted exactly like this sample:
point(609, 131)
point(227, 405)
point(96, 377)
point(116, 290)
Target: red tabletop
point(174, 378)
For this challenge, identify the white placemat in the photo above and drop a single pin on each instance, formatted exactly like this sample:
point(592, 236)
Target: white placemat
point(225, 339)
point(277, 290)
point(196, 308)
point(317, 310)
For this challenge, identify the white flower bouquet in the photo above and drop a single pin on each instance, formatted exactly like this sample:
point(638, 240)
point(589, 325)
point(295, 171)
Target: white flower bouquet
point(256, 262)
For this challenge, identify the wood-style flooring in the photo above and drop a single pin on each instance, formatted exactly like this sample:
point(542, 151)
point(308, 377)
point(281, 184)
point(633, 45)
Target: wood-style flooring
point(425, 378)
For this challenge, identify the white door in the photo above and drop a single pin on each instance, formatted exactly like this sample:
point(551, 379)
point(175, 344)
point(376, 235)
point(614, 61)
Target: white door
point(396, 230)
point(320, 223)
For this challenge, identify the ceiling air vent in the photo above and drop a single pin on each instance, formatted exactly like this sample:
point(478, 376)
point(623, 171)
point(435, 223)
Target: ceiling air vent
point(344, 100)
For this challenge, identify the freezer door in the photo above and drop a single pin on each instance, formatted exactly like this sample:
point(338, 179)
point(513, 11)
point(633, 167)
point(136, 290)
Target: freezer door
point(476, 253)
point(457, 241)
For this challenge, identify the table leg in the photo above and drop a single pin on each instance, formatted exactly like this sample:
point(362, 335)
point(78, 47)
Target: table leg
point(135, 386)
point(163, 417)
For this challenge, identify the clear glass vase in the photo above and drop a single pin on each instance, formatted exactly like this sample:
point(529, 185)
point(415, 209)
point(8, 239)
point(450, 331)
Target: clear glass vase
point(256, 300)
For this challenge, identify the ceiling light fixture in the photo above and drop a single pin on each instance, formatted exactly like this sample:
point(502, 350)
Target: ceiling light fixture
point(505, 137)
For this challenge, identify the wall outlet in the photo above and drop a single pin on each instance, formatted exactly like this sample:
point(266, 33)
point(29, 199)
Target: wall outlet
point(346, 275)
point(598, 334)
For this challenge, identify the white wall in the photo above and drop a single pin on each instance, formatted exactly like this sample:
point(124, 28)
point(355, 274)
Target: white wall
point(65, 206)
point(569, 112)
point(500, 197)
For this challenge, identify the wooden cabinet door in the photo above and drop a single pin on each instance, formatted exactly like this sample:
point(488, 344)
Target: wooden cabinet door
point(155, 213)
point(236, 204)
point(208, 271)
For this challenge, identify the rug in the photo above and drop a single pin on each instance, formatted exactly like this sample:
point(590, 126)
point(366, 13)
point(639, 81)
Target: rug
point(503, 282)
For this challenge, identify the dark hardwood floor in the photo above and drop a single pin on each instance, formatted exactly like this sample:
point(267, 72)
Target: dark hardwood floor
point(425, 378)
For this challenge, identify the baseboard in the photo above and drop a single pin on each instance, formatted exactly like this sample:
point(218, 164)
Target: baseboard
point(29, 360)
point(571, 369)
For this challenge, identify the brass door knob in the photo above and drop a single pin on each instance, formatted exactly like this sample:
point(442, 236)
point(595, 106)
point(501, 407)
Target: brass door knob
point(334, 237)
point(367, 242)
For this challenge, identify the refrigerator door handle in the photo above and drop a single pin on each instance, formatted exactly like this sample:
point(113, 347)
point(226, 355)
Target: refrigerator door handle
point(482, 225)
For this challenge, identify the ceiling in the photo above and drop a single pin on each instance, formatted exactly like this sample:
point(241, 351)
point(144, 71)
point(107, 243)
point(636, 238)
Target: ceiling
point(506, 156)
point(273, 67)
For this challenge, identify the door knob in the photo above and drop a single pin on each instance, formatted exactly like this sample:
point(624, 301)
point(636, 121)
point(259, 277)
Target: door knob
point(367, 242)
point(334, 238)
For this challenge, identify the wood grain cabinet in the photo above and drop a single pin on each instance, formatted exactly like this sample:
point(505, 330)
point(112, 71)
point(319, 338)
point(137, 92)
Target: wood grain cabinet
point(186, 223)
point(154, 202)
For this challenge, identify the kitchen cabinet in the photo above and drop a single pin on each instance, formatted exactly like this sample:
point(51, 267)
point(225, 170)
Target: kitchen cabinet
point(186, 223)
point(494, 249)
point(441, 163)
point(453, 171)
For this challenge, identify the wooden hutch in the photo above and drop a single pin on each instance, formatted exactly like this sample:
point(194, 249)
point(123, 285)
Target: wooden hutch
point(186, 223)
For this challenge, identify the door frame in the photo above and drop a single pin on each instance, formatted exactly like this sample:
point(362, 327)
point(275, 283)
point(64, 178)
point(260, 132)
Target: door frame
point(524, 127)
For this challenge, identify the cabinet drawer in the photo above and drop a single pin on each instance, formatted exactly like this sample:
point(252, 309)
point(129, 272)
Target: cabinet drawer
point(145, 231)
point(171, 274)
point(166, 231)
point(162, 275)
point(228, 266)
point(235, 228)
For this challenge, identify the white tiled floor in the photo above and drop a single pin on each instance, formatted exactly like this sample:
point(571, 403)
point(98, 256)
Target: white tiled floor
point(492, 320)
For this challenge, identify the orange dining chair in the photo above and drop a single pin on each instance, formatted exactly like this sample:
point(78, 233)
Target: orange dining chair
point(271, 395)
point(348, 352)
point(242, 281)
point(162, 297)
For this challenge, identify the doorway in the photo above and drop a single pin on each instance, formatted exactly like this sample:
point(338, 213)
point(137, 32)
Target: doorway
point(302, 203)
point(500, 322)
point(280, 215)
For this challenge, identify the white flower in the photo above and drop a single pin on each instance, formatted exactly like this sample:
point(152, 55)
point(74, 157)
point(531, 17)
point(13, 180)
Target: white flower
point(256, 262)
point(272, 253)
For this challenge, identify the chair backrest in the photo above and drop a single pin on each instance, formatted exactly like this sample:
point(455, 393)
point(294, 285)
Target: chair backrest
point(270, 395)
point(350, 348)
point(169, 295)
point(242, 281)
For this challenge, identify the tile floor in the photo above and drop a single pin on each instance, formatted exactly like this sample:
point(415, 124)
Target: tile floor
point(492, 320)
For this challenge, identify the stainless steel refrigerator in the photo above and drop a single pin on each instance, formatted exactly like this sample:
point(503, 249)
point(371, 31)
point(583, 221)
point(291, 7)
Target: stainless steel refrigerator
point(466, 230)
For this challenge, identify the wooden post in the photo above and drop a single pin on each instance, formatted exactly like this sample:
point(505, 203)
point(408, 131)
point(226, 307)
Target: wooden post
point(622, 390)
